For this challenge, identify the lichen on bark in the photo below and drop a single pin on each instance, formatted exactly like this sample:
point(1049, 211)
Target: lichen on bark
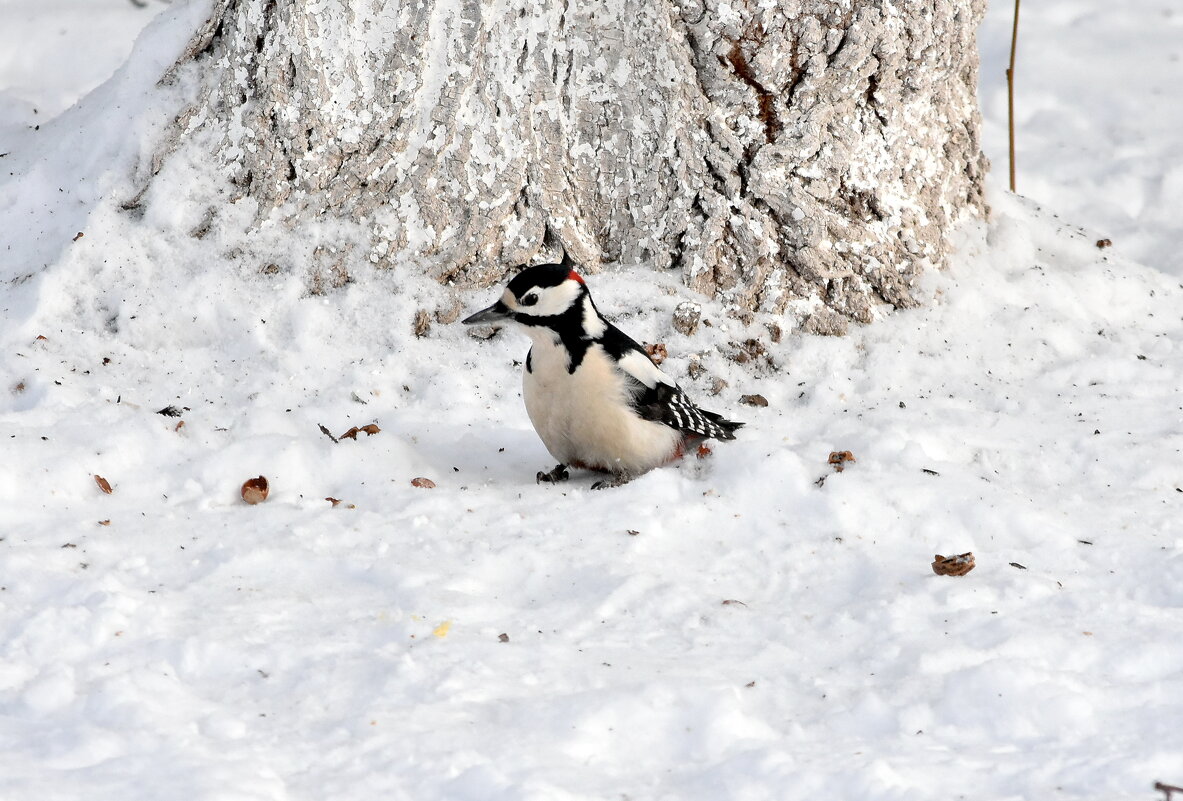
point(804, 156)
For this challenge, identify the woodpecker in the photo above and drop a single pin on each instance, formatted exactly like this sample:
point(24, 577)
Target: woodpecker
point(593, 394)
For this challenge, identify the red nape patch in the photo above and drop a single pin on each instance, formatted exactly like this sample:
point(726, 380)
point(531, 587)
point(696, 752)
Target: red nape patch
point(574, 276)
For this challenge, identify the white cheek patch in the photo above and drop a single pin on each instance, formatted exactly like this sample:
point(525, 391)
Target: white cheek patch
point(553, 300)
point(509, 300)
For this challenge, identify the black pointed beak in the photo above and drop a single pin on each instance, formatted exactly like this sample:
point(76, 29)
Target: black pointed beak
point(497, 313)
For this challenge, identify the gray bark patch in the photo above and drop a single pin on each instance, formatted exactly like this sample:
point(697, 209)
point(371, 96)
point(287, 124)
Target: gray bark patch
point(806, 157)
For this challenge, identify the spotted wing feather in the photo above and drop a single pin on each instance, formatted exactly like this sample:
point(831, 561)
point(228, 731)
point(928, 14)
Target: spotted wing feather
point(670, 405)
point(656, 397)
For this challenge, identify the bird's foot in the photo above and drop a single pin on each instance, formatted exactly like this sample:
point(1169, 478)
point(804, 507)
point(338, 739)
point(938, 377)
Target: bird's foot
point(617, 480)
point(554, 476)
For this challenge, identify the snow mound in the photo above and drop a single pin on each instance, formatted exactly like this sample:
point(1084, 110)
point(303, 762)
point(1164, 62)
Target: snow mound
point(754, 624)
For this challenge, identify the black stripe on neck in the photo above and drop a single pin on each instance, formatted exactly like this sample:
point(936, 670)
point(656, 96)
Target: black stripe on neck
point(568, 326)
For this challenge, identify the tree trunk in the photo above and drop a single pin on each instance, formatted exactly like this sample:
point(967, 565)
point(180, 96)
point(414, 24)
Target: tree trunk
point(804, 156)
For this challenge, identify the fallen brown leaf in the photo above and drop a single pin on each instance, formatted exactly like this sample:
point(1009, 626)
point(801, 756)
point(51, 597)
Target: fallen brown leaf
point(423, 483)
point(1104, 243)
point(333, 501)
point(104, 522)
point(957, 565)
point(255, 490)
point(839, 459)
point(753, 400)
point(352, 433)
point(104, 484)
point(657, 352)
point(422, 325)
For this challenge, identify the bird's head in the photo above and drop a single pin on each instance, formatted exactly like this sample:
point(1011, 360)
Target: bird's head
point(539, 295)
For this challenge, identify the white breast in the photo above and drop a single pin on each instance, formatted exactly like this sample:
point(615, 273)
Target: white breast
point(583, 417)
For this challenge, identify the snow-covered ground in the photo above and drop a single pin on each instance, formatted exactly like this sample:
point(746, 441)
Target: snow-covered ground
point(759, 636)
point(1099, 111)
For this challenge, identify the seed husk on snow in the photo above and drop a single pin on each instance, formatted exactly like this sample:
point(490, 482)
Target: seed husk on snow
point(255, 490)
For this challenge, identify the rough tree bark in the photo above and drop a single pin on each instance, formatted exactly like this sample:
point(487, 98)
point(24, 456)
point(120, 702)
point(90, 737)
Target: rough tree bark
point(802, 155)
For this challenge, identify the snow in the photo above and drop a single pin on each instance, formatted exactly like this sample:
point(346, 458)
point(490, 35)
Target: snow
point(1097, 107)
point(760, 635)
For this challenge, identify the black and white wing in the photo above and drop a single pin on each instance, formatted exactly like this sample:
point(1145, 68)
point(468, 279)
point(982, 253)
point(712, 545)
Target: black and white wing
point(670, 405)
point(656, 396)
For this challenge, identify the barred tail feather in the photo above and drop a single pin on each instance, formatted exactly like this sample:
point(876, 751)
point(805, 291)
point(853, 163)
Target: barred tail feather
point(678, 411)
point(720, 428)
